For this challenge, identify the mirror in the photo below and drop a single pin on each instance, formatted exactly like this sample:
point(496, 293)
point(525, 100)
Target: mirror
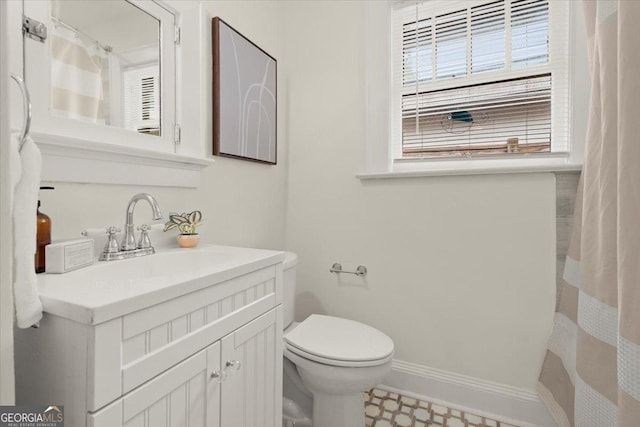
point(105, 64)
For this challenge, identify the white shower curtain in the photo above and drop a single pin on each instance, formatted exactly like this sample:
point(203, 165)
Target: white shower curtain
point(591, 373)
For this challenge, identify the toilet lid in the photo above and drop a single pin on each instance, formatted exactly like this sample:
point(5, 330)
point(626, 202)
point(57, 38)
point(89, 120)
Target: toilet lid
point(334, 340)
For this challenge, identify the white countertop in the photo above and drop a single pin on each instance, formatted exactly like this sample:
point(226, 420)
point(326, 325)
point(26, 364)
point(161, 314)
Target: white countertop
point(107, 290)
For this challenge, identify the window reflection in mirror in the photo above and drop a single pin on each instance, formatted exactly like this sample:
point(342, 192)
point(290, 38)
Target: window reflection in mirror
point(105, 64)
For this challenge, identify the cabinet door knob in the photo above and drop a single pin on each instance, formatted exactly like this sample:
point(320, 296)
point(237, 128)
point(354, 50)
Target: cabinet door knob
point(233, 365)
point(218, 376)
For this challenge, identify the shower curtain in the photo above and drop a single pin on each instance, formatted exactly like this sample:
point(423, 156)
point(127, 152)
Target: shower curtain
point(77, 87)
point(591, 372)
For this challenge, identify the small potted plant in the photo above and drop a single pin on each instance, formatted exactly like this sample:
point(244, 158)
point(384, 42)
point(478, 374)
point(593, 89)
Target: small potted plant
point(186, 224)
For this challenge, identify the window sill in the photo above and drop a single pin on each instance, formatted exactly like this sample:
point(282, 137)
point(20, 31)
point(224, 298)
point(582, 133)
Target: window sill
point(426, 168)
point(76, 160)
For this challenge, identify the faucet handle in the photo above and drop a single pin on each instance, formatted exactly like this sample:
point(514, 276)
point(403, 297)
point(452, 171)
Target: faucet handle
point(112, 244)
point(144, 241)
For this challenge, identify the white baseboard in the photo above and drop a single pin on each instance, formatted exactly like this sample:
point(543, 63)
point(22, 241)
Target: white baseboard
point(502, 402)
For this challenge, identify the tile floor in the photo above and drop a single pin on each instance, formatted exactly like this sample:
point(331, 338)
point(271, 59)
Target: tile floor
point(387, 409)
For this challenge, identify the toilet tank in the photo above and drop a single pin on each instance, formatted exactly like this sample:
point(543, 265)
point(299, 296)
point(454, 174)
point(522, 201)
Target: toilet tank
point(289, 286)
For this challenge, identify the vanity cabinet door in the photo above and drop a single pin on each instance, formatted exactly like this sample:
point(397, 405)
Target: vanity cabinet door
point(252, 357)
point(187, 395)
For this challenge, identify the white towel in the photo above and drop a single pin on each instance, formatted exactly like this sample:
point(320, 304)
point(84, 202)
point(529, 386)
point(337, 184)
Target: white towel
point(26, 167)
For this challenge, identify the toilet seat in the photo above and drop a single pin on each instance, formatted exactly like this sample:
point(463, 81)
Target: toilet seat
point(339, 342)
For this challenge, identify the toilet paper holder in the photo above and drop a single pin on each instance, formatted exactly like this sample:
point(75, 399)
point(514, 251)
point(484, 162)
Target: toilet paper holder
point(361, 270)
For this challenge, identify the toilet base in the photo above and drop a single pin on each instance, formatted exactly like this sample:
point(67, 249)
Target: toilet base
point(337, 391)
point(338, 410)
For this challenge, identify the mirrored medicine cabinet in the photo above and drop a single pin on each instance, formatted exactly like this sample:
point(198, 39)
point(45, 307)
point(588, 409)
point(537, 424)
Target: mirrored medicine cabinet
point(105, 64)
point(103, 85)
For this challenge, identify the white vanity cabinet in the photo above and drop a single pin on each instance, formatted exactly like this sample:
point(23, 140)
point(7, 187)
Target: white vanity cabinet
point(206, 391)
point(202, 350)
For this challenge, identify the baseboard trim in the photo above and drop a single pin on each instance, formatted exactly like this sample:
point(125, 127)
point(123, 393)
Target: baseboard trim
point(503, 402)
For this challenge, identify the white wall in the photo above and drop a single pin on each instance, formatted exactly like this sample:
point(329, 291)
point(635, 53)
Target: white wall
point(243, 203)
point(461, 269)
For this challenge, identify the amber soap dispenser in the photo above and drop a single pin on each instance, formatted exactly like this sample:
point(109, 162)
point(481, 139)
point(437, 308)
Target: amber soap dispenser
point(43, 236)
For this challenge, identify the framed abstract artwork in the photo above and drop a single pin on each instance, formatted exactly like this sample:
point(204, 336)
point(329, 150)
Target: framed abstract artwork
point(244, 97)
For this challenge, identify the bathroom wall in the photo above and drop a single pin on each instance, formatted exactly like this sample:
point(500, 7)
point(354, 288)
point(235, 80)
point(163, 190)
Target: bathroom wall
point(243, 203)
point(461, 268)
point(566, 192)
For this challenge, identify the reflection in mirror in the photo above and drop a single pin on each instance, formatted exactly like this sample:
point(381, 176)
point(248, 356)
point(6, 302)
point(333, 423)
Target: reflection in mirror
point(105, 64)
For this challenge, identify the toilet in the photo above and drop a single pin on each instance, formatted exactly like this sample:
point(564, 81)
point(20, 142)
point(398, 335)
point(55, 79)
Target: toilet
point(328, 363)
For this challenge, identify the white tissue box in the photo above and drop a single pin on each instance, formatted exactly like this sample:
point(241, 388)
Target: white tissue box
point(68, 255)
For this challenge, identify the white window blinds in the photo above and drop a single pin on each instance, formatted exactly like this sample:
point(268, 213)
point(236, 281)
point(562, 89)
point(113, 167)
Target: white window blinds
point(142, 100)
point(480, 77)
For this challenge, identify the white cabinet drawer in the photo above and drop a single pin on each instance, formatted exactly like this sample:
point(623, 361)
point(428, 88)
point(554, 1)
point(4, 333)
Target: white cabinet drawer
point(138, 346)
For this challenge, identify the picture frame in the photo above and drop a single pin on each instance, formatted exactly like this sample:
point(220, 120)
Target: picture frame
point(244, 97)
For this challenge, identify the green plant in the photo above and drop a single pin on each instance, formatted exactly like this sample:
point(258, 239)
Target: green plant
point(185, 222)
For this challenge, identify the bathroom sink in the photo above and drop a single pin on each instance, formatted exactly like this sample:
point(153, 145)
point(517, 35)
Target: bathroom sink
point(158, 266)
point(105, 290)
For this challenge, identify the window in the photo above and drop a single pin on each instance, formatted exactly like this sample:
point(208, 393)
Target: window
point(480, 79)
point(141, 100)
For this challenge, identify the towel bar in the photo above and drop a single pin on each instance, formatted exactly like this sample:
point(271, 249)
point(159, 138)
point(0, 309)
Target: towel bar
point(27, 108)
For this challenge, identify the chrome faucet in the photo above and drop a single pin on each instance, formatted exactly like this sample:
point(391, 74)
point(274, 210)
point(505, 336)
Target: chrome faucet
point(129, 248)
point(129, 239)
